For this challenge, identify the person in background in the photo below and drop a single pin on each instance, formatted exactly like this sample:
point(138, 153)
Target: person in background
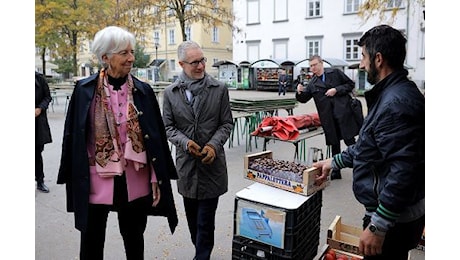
point(42, 128)
point(388, 160)
point(198, 121)
point(115, 154)
point(330, 88)
point(282, 82)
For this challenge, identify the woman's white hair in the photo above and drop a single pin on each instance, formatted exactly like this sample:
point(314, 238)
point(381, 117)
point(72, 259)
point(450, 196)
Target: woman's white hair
point(110, 40)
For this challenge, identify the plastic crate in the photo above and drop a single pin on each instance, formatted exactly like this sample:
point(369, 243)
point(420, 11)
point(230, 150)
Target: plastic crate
point(301, 230)
point(248, 249)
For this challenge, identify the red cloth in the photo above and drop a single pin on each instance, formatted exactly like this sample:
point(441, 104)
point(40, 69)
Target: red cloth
point(305, 121)
point(287, 128)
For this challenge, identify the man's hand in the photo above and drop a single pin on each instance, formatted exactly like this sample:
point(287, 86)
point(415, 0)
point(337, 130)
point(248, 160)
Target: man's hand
point(325, 167)
point(194, 149)
point(331, 92)
point(370, 243)
point(38, 111)
point(209, 154)
point(299, 88)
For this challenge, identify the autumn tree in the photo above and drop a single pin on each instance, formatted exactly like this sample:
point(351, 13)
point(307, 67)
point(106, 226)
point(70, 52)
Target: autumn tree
point(211, 13)
point(61, 25)
point(371, 8)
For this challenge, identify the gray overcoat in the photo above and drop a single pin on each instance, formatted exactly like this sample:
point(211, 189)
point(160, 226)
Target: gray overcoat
point(211, 123)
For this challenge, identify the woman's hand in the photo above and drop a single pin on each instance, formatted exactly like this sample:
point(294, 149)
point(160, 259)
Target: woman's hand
point(156, 194)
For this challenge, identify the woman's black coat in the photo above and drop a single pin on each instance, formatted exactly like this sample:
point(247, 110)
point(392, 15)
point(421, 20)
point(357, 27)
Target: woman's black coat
point(74, 167)
point(337, 107)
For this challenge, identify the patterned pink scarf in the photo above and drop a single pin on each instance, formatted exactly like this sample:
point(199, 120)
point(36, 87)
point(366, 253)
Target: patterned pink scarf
point(110, 160)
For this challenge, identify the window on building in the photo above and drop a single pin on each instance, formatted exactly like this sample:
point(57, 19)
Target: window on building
point(215, 60)
point(313, 47)
point(313, 8)
point(172, 64)
point(253, 50)
point(215, 5)
point(281, 10)
point(352, 48)
point(280, 49)
point(394, 4)
point(188, 6)
point(171, 36)
point(156, 35)
point(215, 34)
point(351, 6)
point(253, 12)
point(188, 32)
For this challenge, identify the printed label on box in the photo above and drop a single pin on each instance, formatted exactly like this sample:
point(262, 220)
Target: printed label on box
point(260, 223)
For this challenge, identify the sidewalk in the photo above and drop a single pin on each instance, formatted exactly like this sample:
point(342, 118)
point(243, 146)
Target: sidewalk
point(56, 237)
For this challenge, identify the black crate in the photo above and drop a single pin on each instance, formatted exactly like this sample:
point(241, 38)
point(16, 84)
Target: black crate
point(248, 249)
point(301, 234)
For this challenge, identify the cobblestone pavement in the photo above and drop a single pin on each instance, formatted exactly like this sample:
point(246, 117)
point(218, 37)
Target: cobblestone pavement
point(56, 237)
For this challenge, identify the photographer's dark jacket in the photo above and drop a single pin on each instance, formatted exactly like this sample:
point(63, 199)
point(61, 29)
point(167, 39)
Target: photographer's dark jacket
point(388, 158)
point(74, 165)
point(337, 107)
point(42, 101)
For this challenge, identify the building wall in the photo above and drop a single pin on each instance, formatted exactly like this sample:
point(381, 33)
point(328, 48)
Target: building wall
point(331, 27)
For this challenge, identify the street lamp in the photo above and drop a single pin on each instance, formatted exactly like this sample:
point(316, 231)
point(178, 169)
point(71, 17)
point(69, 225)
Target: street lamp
point(156, 40)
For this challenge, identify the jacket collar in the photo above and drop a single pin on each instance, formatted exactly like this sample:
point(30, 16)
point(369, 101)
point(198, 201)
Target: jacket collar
point(373, 94)
point(92, 81)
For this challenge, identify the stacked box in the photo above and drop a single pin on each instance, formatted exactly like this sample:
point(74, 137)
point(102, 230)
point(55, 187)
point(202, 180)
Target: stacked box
point(303, 183)
point(298, 239)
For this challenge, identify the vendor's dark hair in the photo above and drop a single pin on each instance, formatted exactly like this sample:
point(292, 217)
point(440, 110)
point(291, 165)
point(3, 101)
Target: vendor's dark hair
point(390, 42)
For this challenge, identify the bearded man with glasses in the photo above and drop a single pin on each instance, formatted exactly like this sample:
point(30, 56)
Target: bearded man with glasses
point(198, 121)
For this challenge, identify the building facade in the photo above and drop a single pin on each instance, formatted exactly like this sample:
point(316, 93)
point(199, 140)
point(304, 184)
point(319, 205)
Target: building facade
point(161, 42)
point(292, 31)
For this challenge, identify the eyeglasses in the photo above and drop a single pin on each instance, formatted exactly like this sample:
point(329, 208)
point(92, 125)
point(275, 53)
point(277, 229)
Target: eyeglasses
point(195, 63)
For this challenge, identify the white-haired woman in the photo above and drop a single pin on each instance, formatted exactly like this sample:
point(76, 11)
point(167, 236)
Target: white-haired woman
point(115, 155)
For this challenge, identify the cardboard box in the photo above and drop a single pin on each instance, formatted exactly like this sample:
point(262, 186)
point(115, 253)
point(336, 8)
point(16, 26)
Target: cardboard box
point(343, 237)
point(305, 186)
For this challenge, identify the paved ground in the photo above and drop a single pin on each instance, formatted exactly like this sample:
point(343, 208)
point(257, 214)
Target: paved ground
point(56, 238)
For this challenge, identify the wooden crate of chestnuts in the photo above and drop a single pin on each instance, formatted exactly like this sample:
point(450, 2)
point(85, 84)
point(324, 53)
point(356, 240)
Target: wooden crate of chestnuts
point(286, 175)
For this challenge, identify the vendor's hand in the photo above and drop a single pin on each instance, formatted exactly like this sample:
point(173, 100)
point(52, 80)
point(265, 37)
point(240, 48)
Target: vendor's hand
point(370, 243)
point(209, 154)
point(194, 149)
point(156, 194)
point(331, 92)
point(325, 167)
point(299, 88)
